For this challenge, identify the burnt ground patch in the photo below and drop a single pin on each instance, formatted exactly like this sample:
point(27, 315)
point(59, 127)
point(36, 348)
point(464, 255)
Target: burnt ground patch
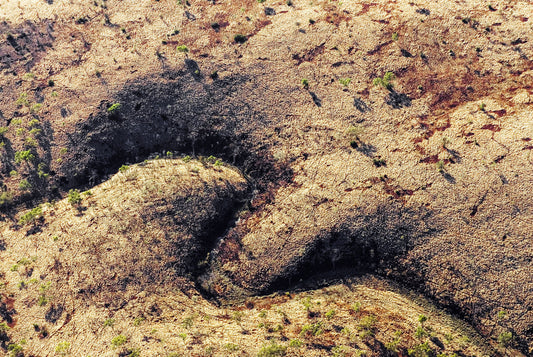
point(24, 45)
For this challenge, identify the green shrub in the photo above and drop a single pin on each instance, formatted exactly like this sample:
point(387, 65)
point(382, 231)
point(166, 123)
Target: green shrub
point(231, 347)
point(182, 48)
point(23, 99)
point(114, 108)
point(43, 300)
point(63, 348)
point(35, 108)
point(345, 81)
point(14, 349)
point(5, 198)
point(329, 315)
point(31, 216)
point(295, 343)
point(74, 197)
point(26, 155)
point(312, 329)
point(367, 325)
point(505, 338)
point(24, 185)
point(109, 322)
point(420, 332)
point(421, 350)
point(385, 81)
point(272, 350)
point(305, 83)
point(118, 341)
point(356, 307)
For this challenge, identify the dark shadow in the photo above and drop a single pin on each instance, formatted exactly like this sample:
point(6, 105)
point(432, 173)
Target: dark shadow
point(366, 149)
point(317, 100)
point(456, 157)
point(406, 53)
point(193, 68)
point(360, 105)
point(398, 100)
point(189, 16)
point(448, 177)
point(270, 11)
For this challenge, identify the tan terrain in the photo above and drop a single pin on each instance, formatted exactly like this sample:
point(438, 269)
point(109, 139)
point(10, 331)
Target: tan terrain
point(348, 155)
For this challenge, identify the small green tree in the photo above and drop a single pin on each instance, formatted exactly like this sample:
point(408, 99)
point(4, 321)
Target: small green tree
point(385, 81)
point(74, 197)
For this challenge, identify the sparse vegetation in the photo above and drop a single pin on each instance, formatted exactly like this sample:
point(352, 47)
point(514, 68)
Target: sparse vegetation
point(114, 108)
point(31, 216)
point(345, 81)
point(74, 197)
point(182, 49)
point(118, 341)
point(385, 81)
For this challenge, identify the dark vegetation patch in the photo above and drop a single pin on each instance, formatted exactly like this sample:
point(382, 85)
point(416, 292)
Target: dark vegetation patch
point(24, 45)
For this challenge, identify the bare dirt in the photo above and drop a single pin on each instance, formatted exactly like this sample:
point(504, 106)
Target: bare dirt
point(315, 161)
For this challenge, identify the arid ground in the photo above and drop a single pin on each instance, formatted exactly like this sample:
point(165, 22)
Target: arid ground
point(266, 178)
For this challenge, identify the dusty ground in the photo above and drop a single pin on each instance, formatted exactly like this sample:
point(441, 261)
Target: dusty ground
point(422, 176)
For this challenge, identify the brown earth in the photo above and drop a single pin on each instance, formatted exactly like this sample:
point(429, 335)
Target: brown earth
point(423, 180)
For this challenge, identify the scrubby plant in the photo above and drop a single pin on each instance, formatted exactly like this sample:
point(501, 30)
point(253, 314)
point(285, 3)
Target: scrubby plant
point(421, 350)
point(330, 314)
point(24, 185)
point(188, 322)
point(295, 343)
point(109, 322)
point(312, 329)
point(385, 81)
point(74, 197)
point(31, 216)
point(272, 350)
point(63, 348)
point(339, 351)
point(14, 349)
point(395, 36)
point(182, 49)
point(118, 341)
point(23, 99)
point(392, 346)
point(345, 81)
point(367, 326)
point(354, 135)
point(305, 83)
point(35, 108)
point(505, 338)
point(42, 300)
point(114, 108)
point(421, 332)
point(25, 155)
point(440, 166)
point(231, 346)
point(355, 307)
